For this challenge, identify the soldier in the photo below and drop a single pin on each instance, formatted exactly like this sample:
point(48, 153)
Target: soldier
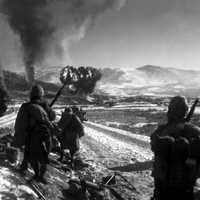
point(72, 130)
point(32, 130)
point(78, 111)
point(176, 148)
point(3, 101)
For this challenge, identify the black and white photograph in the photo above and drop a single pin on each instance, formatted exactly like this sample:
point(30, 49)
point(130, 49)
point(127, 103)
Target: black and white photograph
point(99, 99)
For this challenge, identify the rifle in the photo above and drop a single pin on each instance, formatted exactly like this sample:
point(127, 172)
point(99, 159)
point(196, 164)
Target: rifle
point(68, 75)
point(189, 115)
point(57, 94)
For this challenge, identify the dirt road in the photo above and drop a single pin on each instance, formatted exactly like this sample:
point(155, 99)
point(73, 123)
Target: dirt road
point(112, 150)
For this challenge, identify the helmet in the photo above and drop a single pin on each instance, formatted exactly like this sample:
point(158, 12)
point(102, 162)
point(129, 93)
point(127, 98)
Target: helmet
point(177, 108)
point(68, 110)
point(37, 92)
point(75, 109)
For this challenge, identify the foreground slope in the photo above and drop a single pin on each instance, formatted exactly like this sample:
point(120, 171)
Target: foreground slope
point(107, 151)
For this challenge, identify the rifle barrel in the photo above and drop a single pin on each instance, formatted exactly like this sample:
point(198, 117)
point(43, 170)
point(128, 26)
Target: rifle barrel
point(189, 116)
point(57, 95)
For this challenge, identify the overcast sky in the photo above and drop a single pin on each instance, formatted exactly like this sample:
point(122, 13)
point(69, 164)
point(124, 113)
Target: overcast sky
point(157, 32)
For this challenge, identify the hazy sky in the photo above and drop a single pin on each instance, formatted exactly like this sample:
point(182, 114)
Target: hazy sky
point(157, 32)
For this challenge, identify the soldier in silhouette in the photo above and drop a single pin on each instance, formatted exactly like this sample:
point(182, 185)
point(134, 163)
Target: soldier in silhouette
point(33, 130)
point(176, 148)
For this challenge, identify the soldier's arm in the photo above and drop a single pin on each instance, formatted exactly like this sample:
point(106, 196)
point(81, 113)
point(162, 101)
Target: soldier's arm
point(153, 140)
point(154, 137)
point(80, 128)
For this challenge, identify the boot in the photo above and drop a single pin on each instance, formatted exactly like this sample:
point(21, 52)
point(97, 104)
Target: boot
point(42, 179)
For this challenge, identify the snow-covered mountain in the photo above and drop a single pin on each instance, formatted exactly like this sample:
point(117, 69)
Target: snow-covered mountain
point(150, 80)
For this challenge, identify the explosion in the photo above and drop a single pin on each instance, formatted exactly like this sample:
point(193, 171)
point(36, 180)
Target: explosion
point(80, 80)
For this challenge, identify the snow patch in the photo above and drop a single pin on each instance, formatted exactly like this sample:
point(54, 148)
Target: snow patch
point(140, 125)
point(122, 132)
point(9, 185)
point(120, 147)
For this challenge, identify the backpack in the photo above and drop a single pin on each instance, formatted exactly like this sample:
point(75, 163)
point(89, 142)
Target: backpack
point(167, 149)
point(70, 122)
point(77, 125)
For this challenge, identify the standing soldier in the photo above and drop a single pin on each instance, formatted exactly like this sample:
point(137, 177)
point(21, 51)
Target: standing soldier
point(72, 130)
point(3, 101)
point(176, 148)
point(32, 130)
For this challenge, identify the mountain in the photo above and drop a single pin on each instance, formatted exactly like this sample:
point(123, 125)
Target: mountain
point(150, 80)
point(170, 75)
point(19, 89)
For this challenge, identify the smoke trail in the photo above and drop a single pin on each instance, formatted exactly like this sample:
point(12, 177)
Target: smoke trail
point(27, 19)
point(47, 28)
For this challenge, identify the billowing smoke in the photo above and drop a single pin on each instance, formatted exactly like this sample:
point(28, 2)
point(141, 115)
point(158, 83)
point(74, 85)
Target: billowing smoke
point(80, 80)
point(28, 19)
point(47, 28)
point(88, 77)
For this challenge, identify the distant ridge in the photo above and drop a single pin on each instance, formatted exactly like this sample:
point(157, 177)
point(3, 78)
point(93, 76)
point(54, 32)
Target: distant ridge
point(152, 80)
point(158, 68)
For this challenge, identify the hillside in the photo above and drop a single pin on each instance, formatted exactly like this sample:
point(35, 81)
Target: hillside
point(150, 80)
point(18, 89)
point(170, 75)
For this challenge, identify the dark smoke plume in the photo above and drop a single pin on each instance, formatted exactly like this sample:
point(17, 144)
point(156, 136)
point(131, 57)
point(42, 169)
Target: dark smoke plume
point(88, 77)
point(47, 28)
point(28, 19)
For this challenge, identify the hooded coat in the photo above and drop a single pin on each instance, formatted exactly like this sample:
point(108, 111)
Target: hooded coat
point(72, 130)
point(41, 111)
point(175, 169)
